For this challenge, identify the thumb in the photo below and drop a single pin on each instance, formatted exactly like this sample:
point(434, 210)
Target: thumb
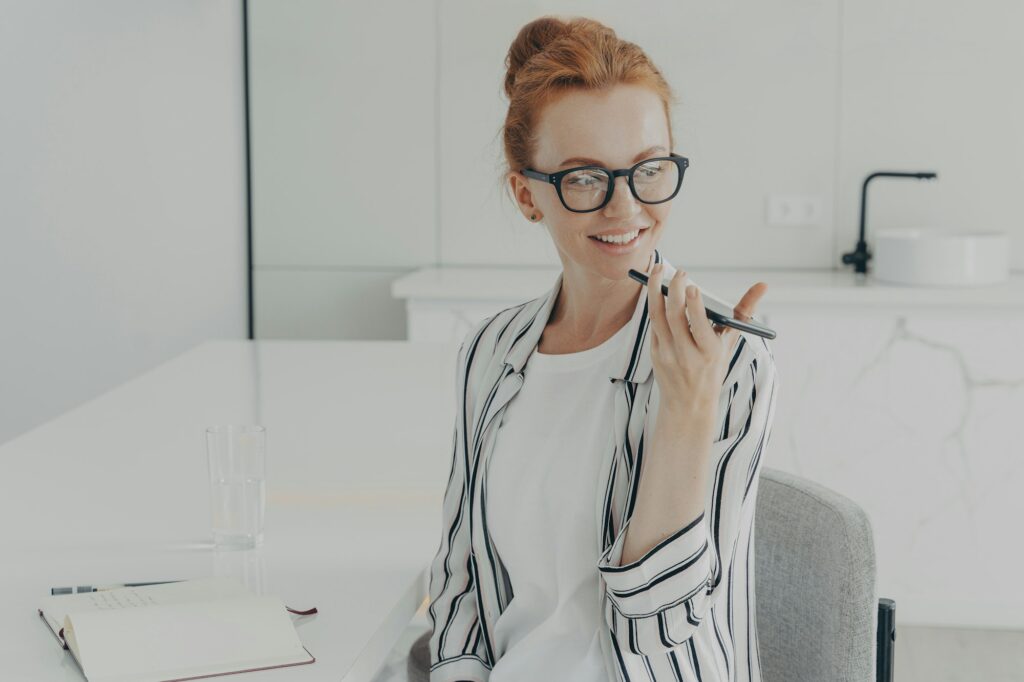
point(744, 310)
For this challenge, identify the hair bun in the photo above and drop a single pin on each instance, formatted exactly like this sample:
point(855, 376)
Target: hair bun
point(532, 39)
point(554, 54)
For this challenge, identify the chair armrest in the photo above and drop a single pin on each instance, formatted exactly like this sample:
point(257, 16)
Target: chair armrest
point(886, 638)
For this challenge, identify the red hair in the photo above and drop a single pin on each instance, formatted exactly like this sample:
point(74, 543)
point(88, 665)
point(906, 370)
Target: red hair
point(550, 56)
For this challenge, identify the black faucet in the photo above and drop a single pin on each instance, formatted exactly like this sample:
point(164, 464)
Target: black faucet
point(860, 256)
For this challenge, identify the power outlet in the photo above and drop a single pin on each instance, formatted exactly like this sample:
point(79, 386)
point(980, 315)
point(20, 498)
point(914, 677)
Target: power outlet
point(788, 210)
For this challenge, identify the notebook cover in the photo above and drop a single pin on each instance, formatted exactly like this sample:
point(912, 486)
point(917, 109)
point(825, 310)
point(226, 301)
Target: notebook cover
point(60, 640)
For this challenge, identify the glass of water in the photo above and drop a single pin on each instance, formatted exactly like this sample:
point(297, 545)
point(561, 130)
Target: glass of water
point(238, 458)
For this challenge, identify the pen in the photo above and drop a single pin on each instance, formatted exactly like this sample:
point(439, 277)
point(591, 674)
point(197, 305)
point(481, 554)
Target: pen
point(92, 588)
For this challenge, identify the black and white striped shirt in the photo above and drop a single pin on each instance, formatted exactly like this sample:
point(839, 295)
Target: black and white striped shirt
point(685, 610)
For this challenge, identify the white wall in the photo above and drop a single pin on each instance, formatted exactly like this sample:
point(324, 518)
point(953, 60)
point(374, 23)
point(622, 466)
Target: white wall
point(122, 193)
point(334, 86)
point(787, 97)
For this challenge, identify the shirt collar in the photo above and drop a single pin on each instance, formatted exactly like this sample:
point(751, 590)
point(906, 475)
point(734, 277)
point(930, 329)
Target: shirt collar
point(633, 359)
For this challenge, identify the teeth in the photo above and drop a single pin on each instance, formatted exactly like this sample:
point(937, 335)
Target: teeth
point(620, 239)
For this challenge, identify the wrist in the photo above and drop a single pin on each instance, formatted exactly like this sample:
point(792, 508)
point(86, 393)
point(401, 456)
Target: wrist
point(683, 427)
point(688, 412)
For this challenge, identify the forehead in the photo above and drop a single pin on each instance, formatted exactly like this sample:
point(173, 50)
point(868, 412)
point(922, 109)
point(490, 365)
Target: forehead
point(612, 126)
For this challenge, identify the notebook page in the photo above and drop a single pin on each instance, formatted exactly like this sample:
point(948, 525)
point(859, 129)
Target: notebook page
point(175, 641)
point(56, 607)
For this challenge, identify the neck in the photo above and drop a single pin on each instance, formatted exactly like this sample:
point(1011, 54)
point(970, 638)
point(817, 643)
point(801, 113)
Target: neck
point(591, 307)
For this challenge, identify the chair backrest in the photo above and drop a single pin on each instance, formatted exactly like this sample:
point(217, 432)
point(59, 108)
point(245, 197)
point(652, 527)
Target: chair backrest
point(814, 579)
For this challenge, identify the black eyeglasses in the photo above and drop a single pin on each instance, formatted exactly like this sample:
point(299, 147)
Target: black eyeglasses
point(588, 188)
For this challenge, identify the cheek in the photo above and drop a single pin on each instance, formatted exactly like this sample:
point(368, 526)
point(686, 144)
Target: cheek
point(659, 212)
point(570, 228)
point(658, 219)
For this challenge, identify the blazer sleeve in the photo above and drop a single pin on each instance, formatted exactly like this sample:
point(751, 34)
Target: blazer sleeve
point(457, 651)
point(656, 602)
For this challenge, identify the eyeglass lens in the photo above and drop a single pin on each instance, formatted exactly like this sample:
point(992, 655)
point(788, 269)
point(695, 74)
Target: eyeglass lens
point(654, 181)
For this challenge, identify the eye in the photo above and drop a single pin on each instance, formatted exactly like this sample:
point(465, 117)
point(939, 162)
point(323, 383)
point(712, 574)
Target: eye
point(651, 169)
point(586, 179)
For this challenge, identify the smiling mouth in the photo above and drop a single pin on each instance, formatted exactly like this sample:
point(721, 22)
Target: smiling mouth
point(618, 241)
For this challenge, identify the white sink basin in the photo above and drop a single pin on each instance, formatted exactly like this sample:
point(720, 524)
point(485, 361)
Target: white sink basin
point(940, 258)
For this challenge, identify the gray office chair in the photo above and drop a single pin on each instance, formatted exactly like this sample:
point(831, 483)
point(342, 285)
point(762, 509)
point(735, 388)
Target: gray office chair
point(817, 614)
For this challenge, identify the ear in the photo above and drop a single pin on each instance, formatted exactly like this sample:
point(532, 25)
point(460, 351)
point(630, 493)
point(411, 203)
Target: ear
point(520, 189)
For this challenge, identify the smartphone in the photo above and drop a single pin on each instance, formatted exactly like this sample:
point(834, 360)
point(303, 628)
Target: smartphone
point(717, 312)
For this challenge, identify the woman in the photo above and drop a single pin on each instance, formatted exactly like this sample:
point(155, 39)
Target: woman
point(600, 525)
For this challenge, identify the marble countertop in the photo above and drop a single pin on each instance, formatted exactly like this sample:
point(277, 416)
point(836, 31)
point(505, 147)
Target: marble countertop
point(814, 287)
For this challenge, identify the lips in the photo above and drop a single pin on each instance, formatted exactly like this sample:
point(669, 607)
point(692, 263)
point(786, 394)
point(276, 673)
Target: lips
point(618, 243)
point(617, 249)
point(619, 233)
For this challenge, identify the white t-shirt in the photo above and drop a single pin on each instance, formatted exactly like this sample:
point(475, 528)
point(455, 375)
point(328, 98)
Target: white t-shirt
point(542, 483)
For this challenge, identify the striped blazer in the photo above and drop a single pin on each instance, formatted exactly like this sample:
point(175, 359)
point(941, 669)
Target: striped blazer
point(685, 610)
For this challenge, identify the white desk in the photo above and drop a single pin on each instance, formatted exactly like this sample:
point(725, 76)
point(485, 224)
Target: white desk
point(116, 490)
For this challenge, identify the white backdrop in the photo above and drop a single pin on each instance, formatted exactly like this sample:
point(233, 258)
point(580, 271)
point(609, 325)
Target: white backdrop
point(122, 193)
point(791, 97)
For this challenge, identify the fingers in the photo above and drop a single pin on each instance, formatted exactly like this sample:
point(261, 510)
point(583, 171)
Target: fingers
point(700, 325)
point(656, 305)
point(679, 319)
point(675, 310)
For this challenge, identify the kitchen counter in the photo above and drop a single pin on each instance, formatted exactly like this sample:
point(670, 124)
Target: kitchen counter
point(785, 287)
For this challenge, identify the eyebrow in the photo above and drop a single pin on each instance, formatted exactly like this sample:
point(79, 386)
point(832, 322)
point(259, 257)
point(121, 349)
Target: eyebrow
point(594, 162)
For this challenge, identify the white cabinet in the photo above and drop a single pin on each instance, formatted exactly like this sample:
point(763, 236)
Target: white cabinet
point(442, 304)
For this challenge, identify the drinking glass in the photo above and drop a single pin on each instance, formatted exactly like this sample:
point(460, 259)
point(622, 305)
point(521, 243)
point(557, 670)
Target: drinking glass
point(237, 459)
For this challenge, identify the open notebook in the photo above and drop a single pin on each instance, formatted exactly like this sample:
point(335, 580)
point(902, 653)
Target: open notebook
point(176, 631)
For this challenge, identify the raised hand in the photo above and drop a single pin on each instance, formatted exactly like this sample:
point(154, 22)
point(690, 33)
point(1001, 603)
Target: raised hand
point(690, 354)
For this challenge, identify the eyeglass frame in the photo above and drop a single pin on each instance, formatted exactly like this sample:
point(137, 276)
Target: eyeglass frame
point(682, 163)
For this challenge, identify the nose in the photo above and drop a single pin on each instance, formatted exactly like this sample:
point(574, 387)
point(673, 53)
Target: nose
point(622, 204)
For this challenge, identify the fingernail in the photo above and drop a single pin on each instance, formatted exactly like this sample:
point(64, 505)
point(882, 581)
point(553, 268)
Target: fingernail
point(691, 290)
